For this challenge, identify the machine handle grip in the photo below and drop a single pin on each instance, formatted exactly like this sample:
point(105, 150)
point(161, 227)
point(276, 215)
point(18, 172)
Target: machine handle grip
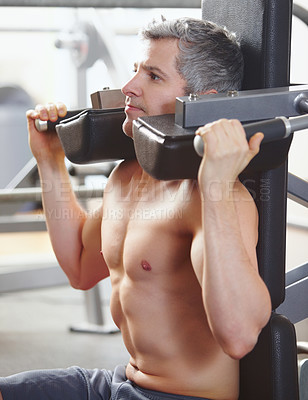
point(49, 126)
point(273, 129)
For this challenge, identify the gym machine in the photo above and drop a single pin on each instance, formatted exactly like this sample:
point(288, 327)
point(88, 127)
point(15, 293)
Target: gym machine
point(95, 135)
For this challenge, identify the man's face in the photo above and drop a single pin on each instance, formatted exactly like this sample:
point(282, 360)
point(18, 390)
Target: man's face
point(156, 83)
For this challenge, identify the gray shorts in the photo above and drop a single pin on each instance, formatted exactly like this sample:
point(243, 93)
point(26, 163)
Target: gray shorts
point(76, 383)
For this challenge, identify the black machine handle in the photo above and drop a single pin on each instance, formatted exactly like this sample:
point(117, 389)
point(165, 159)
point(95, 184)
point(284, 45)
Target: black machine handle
point(106, 99)
point(273, 129)
point(49, 126)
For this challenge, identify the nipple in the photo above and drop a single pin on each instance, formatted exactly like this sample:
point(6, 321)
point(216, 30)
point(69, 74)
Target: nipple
point(146, 266)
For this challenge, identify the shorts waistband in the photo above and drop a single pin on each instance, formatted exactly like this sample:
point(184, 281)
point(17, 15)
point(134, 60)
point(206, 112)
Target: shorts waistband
point(156, 395)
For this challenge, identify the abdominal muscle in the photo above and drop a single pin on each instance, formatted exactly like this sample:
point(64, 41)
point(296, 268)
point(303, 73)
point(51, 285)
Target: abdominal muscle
point(170, 343)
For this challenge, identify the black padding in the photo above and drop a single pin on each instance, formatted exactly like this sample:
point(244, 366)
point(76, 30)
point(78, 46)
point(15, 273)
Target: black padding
point(263, 27)
point(95, 136)
point(271, 156)
point(269, 372)
point(269, 192)
point(165, 150)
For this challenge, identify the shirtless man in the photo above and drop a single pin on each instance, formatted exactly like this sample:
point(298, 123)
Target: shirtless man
point(186, 293)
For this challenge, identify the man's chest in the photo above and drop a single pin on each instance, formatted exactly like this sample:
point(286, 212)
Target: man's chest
point(146, 221)
point(144, 236)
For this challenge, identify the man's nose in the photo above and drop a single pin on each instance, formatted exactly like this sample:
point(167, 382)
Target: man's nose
point(132, 87)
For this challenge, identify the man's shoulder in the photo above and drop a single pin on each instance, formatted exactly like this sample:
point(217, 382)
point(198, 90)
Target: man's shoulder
point(124, 170)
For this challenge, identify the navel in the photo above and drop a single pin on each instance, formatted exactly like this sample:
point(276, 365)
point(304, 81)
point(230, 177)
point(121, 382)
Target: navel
point(145, 265)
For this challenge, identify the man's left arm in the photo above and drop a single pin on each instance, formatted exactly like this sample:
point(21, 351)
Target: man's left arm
point(236, 300)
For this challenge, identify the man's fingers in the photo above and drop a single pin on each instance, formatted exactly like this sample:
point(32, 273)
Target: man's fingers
point(42, 112)
point(255, 142)
point(50, 111)
point(33, 114)
point(62, 110)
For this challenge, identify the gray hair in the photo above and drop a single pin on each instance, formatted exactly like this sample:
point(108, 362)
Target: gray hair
point(210, 56)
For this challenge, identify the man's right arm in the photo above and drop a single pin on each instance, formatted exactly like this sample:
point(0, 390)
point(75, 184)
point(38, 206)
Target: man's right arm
point(75, 235)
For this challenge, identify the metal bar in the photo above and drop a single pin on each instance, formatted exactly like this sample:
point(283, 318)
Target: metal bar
point(23, 223)
point(298, 190)
point(15, 278)
point(96, 322)
point(301, 13)
point(303, 379)
point(35, 194)
point(273, 129)
point(302, 348)
point(22, 178)
point(297, 222)
point(296, 274)
point(104, 3)
point(29, 30)
point(93, 306)
point(295, 306)
point(246, 105)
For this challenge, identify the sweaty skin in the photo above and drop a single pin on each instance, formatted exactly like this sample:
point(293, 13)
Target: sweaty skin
point(181, 255)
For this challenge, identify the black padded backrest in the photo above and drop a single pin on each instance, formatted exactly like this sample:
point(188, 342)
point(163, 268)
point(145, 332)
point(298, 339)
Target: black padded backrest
point(263, 28)
point(269, 372)
point(264, 31)
point(266, 373)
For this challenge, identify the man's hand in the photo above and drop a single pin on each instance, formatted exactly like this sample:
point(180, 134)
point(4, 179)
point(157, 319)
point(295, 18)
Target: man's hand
point(226, 154)
point(45, 146)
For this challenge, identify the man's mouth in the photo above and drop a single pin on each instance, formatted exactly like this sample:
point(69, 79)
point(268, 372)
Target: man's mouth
point(133, 108)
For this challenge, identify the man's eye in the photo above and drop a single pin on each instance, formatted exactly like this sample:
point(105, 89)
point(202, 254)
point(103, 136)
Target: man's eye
point(154, 77)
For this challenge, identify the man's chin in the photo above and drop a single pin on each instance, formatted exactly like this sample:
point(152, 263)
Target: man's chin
point(128, 128)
